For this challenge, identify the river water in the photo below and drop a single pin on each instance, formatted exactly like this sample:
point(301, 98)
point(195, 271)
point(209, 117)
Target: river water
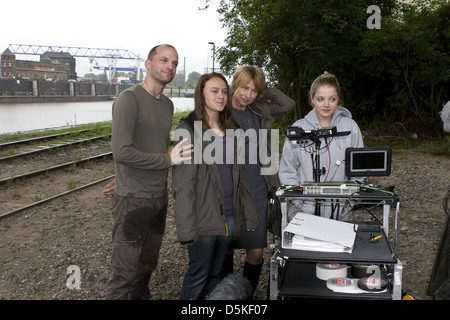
point(21, 117)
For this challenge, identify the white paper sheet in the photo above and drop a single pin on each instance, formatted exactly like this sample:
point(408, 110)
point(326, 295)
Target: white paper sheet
point(331, 233)
point(302, 243)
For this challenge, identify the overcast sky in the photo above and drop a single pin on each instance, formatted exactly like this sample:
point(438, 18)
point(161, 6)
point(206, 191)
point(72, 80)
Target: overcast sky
point(134, 25)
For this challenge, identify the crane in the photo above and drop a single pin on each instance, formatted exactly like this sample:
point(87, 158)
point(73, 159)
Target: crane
point(92, 53)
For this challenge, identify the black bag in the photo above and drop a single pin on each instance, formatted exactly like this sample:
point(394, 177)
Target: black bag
point(274, 219)
point(439, 284)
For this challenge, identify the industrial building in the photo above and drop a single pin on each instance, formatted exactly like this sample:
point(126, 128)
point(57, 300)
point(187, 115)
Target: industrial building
point(51, 66)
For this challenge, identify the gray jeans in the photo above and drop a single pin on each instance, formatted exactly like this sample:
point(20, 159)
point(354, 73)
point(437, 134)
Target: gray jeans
point(138, 228)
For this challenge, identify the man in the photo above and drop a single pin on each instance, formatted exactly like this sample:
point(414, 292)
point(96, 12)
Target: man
point(142, 119)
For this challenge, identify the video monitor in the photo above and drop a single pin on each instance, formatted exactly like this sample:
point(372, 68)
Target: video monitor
point(362, 162)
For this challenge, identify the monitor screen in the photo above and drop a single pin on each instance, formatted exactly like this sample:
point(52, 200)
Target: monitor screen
point(361, 162)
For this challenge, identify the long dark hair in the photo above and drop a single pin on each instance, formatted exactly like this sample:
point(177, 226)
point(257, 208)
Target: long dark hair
point(225, 117)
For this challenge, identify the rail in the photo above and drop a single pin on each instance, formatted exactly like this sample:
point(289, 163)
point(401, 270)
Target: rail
point(10, 213)
point(23, 188)
point(37, 151)
point(53, 168)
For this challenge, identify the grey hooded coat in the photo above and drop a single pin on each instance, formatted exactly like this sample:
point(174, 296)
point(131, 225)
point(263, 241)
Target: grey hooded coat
point(296, 165)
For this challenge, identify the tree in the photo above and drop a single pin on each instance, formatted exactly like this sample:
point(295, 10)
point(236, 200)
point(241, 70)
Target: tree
point(408, 61)
point(396, 72)
point(91, 76)
point(294, 40)
point(192, 79)
point(179, 80)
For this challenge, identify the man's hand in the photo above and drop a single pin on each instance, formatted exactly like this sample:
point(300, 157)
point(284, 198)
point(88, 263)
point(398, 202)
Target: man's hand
point(177, 155)
point(109, 191)
point(180, 153)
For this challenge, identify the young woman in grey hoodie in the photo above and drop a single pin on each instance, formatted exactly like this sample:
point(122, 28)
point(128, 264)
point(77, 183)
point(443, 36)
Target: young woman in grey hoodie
point(297, 160)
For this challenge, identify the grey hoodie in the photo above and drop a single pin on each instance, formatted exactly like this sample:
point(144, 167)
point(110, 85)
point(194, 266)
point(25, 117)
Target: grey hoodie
point(296, 165)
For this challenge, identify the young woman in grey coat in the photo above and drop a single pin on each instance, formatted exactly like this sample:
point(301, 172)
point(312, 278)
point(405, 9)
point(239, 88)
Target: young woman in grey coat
point(211, 192)
point(296, 165)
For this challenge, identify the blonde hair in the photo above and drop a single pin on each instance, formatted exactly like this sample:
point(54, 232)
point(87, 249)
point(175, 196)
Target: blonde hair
point(244, 74)
point(326, 79)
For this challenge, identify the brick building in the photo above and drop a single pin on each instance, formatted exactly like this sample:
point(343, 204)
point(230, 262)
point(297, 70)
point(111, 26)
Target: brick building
point(52, 65)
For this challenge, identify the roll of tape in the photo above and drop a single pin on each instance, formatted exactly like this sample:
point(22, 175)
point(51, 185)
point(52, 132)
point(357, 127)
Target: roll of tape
point(371, 284)
point(325, 271)
point(361, 270)
point(341, 284)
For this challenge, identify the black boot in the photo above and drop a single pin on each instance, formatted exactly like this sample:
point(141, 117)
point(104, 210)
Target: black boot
point(252, 273)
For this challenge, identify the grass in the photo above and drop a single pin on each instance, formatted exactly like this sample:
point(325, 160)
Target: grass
point(435, 146)
point(71, 184)
point(95, 129)
point(439, 147)
point(177, 117)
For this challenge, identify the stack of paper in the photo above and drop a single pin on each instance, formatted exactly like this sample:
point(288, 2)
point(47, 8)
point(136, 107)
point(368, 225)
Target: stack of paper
point(313, 233)
point(302, 243)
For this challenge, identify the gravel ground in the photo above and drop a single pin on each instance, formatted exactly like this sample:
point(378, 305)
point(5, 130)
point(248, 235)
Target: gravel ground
point(40, 245)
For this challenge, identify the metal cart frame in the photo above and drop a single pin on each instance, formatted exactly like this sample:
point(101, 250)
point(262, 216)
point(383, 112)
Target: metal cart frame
point(284, 260)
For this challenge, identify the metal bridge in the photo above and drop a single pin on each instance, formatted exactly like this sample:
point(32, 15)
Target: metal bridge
point(75, 51)
point(92, 53)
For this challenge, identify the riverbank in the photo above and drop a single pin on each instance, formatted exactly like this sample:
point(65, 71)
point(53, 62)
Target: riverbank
point(49, 99)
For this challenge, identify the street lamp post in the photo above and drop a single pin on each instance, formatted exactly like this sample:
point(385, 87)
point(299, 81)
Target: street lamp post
point(214, 53)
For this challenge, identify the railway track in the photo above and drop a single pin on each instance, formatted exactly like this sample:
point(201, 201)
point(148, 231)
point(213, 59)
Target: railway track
point(51, 148)
point(23, 147)
point(28, 206)
point(40, 173)
point(42, 138)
